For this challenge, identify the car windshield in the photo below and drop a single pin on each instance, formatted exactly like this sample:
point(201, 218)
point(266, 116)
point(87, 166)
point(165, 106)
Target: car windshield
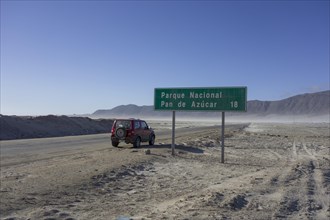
point(123, 124)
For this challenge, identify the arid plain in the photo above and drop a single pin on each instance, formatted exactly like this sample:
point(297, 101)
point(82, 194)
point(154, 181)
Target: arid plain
point(271, 171)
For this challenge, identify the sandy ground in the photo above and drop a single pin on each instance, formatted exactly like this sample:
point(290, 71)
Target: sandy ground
point(271, 171)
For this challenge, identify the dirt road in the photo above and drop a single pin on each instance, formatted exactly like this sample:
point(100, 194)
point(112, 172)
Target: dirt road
point(271, 171)
point(29, 150)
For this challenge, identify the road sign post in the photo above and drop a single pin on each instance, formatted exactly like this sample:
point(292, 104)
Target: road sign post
point(222, 99)
point(223, 138)
point(173, 133)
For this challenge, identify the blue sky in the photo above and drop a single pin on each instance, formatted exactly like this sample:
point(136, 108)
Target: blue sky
point(74, 57)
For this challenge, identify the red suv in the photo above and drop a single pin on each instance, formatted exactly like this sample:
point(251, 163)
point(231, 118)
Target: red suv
point(133, 131)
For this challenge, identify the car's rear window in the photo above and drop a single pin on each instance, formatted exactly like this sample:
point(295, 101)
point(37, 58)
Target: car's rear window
point(123, 124)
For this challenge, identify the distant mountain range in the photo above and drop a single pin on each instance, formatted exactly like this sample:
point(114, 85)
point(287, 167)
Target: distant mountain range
point(311, 107)
point(309, 104)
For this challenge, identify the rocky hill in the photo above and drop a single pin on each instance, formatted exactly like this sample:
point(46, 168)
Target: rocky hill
point(305, 104)
point(310, 104)
point(15, 127)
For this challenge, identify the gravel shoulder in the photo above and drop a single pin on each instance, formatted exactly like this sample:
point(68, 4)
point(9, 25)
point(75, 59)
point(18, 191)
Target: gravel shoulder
point(271, 171)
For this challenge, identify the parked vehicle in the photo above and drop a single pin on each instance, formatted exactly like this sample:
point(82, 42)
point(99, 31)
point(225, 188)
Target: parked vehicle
point(131, 131)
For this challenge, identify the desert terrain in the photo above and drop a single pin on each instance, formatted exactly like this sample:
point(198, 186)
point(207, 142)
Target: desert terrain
point(271, 171)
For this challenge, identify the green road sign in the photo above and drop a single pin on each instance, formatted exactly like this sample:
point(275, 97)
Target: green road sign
point(201, 99)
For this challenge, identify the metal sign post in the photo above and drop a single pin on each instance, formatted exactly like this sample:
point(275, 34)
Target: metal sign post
point(223, 138)
point(232, 99)
point(173, 133)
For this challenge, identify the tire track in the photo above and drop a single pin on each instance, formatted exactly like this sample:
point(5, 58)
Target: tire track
point(277, 155)
point(306, 150)
point(304, 193)
point(294, 150)
point(318, 197)
point(290, 204)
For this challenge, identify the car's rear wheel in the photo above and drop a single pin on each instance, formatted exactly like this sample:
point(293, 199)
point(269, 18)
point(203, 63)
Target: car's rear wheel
point(137, 142)
point(115, 144)
point(152, 140)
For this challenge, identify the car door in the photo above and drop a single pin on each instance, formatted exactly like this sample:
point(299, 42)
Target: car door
point(137, 129)
point(145, 131)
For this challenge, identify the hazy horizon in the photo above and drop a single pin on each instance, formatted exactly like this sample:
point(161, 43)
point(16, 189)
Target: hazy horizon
point(202, 114)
